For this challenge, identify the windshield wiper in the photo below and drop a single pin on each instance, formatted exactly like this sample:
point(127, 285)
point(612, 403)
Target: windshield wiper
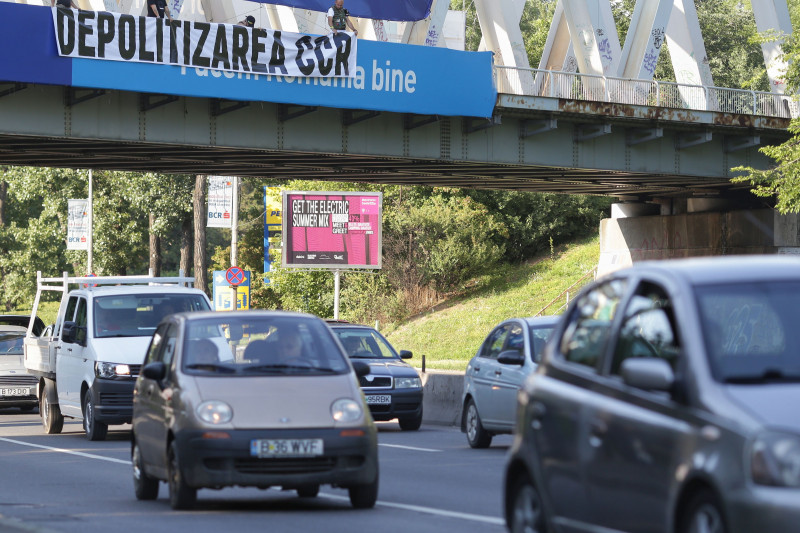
point(211, 366)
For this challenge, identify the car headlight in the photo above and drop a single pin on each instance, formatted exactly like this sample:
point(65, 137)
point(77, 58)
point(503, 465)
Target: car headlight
point(214, 412)
point(407, 383)
point(775, 460)
point(346, 410)
point(111, 370)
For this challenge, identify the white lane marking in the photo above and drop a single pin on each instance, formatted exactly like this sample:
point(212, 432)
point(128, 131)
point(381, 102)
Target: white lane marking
point(429, 510)
point(403, 506)
point(71, 452)
point(410, 448)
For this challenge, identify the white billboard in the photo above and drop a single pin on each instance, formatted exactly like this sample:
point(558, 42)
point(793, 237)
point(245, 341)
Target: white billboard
point(220, 201)
point(77, 224)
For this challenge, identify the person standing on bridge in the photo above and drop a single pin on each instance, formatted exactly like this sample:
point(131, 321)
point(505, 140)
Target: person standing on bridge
point(64, 3)
point(339, 18)
point(158, 8)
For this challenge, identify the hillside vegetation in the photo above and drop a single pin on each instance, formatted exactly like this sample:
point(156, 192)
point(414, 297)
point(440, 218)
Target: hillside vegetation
point(449, 335)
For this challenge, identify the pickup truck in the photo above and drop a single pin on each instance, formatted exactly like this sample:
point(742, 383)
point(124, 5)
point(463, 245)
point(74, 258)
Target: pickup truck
point(88, 361)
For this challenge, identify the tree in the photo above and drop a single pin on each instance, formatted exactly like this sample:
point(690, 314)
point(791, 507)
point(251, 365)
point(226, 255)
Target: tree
point(782, 181)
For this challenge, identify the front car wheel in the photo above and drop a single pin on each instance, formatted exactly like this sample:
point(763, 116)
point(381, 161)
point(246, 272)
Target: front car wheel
point(526, 514)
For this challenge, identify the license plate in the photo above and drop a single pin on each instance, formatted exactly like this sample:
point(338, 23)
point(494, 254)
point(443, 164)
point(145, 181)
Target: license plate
point(16, 392)
point(286, 447)
point(378, 399)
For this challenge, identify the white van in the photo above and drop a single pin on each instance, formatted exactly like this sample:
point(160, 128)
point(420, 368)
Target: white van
point(88, 365)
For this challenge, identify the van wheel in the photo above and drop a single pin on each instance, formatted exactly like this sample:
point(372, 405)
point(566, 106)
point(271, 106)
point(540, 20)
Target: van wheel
point(181, 495)
point(52, 420)
point(477, 437)
point(94, 430)
point(364, 496)
point(703, 515)
point(308, 491)
point(145, 487)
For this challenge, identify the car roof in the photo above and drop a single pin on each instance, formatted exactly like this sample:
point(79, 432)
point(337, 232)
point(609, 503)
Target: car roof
point(21, 320)
point(539, 321)
point(250, 313)
point(725, 269)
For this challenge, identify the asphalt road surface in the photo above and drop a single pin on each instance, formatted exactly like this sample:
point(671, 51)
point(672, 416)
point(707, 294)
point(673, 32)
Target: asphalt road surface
point(431, 481)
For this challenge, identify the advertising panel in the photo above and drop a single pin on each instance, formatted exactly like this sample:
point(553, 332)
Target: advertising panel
point(220, 201)
point(77, 224)
point(334, 230)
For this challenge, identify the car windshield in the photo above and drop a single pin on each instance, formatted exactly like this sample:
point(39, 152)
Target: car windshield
point(539, 336)
point(137, 315)
point(11, 342)
point(261, 345)
point(750, 331)
point(365, 343)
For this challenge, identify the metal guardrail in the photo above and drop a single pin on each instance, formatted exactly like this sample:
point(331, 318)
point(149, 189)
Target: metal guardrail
point(591, 87)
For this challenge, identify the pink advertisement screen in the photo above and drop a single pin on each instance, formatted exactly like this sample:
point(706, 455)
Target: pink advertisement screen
point(332, 230)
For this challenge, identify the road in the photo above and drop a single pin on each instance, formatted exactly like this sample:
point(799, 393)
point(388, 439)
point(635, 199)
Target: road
point(431, 481)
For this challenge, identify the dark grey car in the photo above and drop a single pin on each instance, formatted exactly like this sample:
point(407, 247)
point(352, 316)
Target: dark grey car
point(666, 402)
point(393, 388)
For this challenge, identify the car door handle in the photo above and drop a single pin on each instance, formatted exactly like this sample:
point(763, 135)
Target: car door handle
point(538, 410)
point(498, 372)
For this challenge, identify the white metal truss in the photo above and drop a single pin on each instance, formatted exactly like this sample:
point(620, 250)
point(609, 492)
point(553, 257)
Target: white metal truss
point(582, 37)
point(773, 15)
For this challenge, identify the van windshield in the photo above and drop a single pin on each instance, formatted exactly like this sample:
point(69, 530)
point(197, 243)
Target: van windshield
point(134, 315)
point(750, 331)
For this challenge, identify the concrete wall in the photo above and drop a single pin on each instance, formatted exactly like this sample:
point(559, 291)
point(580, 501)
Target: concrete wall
point(441, 401)
point(624, 241)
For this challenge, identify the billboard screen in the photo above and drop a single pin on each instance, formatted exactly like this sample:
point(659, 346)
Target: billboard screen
point(335, 230)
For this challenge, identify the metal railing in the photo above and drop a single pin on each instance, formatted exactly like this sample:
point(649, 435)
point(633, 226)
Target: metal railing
point(591, 87)
point(563, 299)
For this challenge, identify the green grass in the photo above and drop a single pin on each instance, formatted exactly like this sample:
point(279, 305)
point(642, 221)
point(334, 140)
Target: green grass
point(450, 334)
point(47, 311)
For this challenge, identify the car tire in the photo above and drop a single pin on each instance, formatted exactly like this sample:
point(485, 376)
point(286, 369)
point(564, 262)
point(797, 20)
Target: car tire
point(477, 437)
point(364, 496)
point(52, 419)
point(94, 429)
point(308, 491)
point(703, 514)
point(181, 495)
point(525, 508)
point(145, 487)
point(411, 424)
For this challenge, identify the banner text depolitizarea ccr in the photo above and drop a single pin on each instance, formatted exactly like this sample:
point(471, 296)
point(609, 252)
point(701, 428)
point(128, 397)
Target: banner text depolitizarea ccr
point(121, 37)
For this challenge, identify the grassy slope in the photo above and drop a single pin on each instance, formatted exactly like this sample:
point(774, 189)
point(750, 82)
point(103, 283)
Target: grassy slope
point(450, 335)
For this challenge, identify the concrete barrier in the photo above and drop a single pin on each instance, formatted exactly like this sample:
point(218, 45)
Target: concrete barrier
point(441, 400)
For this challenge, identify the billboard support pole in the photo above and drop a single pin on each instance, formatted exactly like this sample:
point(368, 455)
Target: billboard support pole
point(234, 222)
point(337, 274)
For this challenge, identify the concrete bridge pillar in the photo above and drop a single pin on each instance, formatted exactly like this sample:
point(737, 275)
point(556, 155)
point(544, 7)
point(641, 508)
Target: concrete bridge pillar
point(635, 234)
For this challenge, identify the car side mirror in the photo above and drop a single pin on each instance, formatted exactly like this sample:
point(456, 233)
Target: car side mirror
point(406, 354)
point(69, 332)
point(361, 368)
point(648, 373)
point(511, 357)
point(156, 371)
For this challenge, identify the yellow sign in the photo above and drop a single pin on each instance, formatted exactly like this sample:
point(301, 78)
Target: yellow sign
point(224, 298)
point(272, 200)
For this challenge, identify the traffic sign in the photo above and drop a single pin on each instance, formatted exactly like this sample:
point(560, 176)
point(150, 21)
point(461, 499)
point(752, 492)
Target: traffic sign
point(234, 276)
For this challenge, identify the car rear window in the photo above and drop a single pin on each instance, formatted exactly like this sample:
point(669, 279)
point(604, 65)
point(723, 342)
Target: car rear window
point(750, 330)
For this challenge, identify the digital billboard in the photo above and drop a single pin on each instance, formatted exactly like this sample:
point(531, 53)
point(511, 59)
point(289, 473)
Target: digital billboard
point(334, 230)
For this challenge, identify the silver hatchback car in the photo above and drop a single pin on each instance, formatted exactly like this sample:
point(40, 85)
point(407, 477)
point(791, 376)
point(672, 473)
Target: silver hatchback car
point(666, 402)
point(506, 357)
point(252, 399)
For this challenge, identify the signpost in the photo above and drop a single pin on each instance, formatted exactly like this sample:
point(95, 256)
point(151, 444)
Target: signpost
point(223, 297)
